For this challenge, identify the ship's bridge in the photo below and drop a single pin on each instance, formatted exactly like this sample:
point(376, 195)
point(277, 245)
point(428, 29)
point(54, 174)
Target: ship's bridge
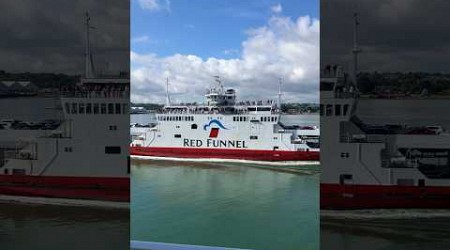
point(219, 97)
point(334, 83)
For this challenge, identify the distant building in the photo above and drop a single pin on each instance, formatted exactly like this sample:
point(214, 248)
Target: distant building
point(17, 88)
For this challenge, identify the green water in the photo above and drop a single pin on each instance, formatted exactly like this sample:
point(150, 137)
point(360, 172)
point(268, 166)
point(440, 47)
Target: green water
point(230, 205)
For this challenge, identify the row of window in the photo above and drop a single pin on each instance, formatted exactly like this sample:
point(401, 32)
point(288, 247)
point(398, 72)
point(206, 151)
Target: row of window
point(96, 108)
point(338, 110)
point(175, 118)
point(262, 119)
point(240, 118)
point(269, 119)
point(108, 150)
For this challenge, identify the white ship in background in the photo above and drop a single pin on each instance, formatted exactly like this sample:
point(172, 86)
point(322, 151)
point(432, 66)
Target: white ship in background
point(83, 154)
point(227, 129)
point(377, 166)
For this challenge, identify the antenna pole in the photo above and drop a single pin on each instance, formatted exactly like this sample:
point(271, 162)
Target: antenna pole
point(355, 50)
point(87, 52)
point(167, 92)
point(279, 92)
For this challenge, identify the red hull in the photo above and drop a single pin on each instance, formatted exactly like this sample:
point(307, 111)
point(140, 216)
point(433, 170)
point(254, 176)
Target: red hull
point(241, 154)
point(336, 196)
point(91, 188)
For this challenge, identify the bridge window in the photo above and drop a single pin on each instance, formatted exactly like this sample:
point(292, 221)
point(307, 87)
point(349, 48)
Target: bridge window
point(337, 110)
point(253, 137)
point(112, 150)
point(103, 108)
point(177, 136)
point(96, 109)
point(329, 110)
point(88, 108)
point(194, 126)
point(81, 108)
point(110, 108)
point(117, 108)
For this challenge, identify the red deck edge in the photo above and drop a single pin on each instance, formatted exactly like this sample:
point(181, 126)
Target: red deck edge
point(336, 196)
point(91, 188)
point(242, 154)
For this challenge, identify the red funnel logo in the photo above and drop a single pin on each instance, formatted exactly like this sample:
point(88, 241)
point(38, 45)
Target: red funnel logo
point(214, 133)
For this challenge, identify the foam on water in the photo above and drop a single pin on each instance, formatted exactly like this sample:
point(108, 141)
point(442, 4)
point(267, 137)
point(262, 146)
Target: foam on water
point(385, 214)
point(271, 163)
point(64, 202)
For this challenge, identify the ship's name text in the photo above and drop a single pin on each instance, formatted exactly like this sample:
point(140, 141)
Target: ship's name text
point(211, 143)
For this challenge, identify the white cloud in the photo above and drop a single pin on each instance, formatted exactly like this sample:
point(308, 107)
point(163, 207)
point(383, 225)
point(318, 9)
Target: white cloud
point(154, 5)
point(282, 48)
point(277, 9)
point(140, 39)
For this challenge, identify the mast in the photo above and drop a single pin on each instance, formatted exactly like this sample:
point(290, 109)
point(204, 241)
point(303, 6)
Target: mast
point(167, 92)
point(355, 50)
point(87, 48)
point(280, 81)
point(89, 70)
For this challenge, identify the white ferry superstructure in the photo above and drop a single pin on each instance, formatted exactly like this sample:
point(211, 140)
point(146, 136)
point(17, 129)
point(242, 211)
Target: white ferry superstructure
point(226, 129)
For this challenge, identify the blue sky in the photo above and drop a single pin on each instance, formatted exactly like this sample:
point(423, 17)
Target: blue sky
point(205, 28)
point(249, 43)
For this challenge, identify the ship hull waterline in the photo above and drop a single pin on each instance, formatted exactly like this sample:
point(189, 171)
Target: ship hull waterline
point(240, 154)
point(86, 188)
point(339, 197)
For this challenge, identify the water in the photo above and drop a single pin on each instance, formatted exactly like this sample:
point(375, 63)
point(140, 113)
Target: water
point(28, 226)
point(220, 204)
point(420, 112)
point(29, 108)
point(241, 205)
point(382, 234)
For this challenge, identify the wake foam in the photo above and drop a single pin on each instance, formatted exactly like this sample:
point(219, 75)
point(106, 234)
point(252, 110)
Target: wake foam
point(64, 202)
point(271, 163)
point(385, 214)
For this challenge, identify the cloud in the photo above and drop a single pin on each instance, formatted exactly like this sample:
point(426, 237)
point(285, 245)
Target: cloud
point(140, 39)
point(282, 48)
point(50, 37)
point(395, 36)
point(154, 5)
point(277, 9)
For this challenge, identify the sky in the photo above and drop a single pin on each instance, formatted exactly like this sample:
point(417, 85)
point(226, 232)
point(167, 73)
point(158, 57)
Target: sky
point(395, 36)
point(41, 36)
point(250, 44)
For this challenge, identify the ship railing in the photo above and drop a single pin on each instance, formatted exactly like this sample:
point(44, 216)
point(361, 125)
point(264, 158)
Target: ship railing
point(118, 94)
point(345, 95)
point(200, 112)
point(365, 138)
point(144, 245)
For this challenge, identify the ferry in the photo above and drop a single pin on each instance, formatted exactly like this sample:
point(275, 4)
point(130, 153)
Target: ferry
point(377, 165)
point(226, 129)
point(58, 158)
